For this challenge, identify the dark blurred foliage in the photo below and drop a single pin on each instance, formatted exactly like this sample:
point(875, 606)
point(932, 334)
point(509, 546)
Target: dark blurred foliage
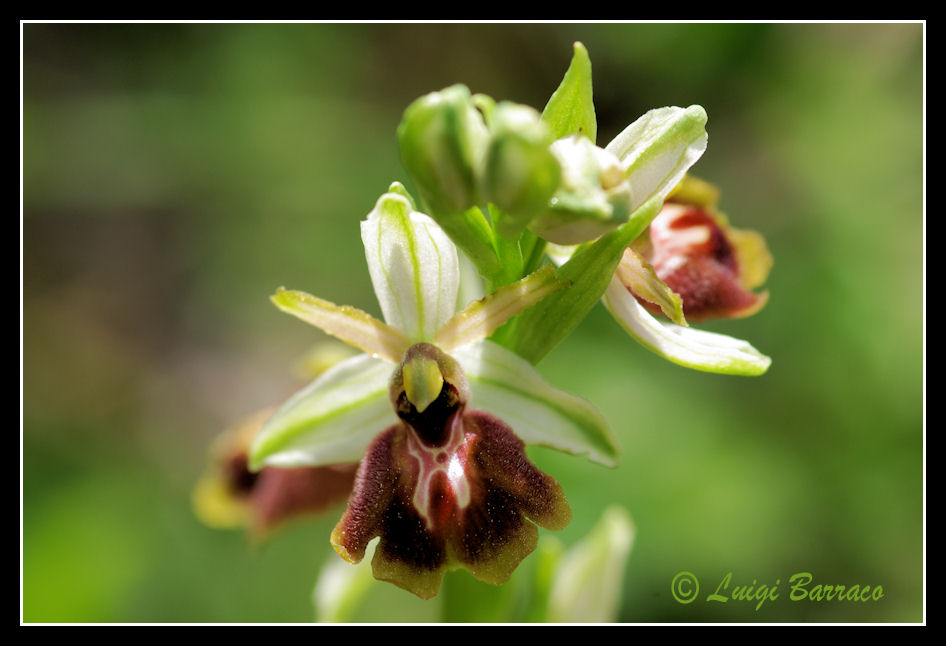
point(175, 174)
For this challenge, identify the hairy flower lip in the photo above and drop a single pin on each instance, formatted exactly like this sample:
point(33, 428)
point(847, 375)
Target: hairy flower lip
point(468, 510)
point(431, 480)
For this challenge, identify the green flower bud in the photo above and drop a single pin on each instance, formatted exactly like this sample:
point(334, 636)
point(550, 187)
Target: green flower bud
point(521, 172)
point(593, 198)
point(443, 142)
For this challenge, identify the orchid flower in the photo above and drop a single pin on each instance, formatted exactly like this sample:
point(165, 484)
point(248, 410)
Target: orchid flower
point(229, 496)
point(653, 155)
point(437, 415)
point(691, 265)
point(688, 263)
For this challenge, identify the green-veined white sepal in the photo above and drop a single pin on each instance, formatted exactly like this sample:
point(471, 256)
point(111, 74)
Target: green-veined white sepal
point(507, 386)
point(331, 420)
point(685, 346)
point(413, 267)
point(657, 150)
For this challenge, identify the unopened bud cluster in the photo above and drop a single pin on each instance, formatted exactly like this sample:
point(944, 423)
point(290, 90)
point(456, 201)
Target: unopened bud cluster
point(465, 150)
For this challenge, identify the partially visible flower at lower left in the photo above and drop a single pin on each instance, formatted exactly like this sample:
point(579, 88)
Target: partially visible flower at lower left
point(230, 496)
point(437, 415)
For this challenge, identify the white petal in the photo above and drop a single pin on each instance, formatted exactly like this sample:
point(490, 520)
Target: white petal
point(506, 385)
point(658, 148)
point(686, 346)
point(413, 267)
point(330, 421)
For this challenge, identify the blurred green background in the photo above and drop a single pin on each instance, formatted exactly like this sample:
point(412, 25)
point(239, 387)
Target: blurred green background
point(175, 175)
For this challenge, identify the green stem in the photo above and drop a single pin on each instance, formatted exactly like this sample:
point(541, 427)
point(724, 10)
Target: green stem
point(533, 250)
point(471, 232)
point(509, 254)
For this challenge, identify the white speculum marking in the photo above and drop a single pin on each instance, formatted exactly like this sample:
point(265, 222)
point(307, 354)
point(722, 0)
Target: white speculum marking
point(674, 239)
point(446, 459)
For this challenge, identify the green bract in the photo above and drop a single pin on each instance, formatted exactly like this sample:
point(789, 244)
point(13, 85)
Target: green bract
point(571, 110)
point(590, 268)
point(414, 270)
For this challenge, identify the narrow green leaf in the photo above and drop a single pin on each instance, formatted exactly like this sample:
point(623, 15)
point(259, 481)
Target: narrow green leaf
point(590, 269)
point(509, 387)
point(330, 421)
point(508, 252)
point(571, 109)
point(532, 249)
